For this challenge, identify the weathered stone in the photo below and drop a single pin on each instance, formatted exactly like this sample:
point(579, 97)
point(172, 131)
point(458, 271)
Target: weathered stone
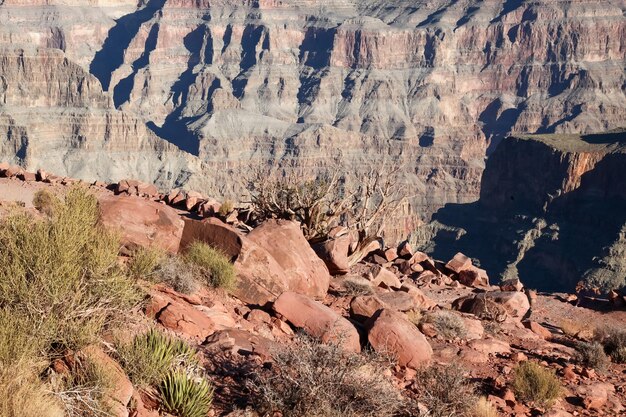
point(365, 306)
point(382, 277)
point(392, 334)
point(492, 305)
point(490, 346)
point(511, 285)
point(241, 342)
point(538, 329)
point(284, 240)
point(141, 223)
point(334, 253)
point(459, 263)
point(474, 277)
point(317, 320)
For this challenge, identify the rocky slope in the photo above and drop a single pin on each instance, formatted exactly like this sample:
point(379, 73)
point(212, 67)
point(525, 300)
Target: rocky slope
point(552, 211)
point(431, 85)
point(422, 314)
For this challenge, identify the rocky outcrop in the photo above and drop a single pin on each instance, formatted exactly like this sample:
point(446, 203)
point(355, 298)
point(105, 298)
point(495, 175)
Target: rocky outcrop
point(552, 212)
point(97, 90)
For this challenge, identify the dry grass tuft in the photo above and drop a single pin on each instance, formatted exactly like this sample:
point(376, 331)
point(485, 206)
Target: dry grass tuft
point(23, 395)
point(614, 341)
point(448, 324)
point(145, 262)
point(178, 274)
point(483, 408)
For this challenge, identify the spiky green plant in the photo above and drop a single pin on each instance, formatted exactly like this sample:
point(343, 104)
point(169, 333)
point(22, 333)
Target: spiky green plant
point(185, 396)
point(151, 355)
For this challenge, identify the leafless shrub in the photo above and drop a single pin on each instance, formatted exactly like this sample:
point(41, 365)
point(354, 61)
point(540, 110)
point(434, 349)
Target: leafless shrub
point(178, 274)
point(448, 324)
point(363, 204)
point(317, 380)
point(445, 391)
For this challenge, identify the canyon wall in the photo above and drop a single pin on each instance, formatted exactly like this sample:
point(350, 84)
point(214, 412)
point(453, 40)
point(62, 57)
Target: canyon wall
point(194, 92)
point(552, 211)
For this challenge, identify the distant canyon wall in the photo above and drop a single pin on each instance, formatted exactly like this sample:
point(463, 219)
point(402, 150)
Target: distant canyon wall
point(194, 92)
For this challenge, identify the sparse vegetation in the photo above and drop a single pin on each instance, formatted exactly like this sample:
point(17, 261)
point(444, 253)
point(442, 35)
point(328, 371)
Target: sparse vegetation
point(60, 285)
point(614, 341)
point(312, 379)
point(61, 274)
point(448, 324)
point(226, 208)
point(45, 202)
point(150, 356)
point(415, 316)
point(178, 274)
point(445, 391)
point(145, 262)
point(214, 265)
point(184, 395)
point(82, 391)
point(591, 355)
point(354, 288)
point(534, 383)
point(483, 408)
point(322, 202)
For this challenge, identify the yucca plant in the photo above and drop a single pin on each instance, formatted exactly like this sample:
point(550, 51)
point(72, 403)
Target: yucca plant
point(151, 355)
point(185, 396)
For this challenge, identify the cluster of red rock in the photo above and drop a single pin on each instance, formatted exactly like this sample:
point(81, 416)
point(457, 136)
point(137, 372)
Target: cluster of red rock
point(337, 291)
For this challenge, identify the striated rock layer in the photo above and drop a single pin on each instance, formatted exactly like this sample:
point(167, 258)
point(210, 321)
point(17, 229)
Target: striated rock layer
point(104, 88)
point(552, 230)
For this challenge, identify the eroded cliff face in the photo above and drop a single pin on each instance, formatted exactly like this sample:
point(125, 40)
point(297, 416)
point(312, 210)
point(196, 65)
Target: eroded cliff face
point(432, 85)
point(552, 211)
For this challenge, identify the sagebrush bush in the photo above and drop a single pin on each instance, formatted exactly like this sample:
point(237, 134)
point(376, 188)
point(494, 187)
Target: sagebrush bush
point(214, 265)
point(614, 341)
point(534, 383)
point(415, 316)
point(591, 355)
point(150, 356)
point(145, 262)
point(185, 395)
point(178, 274)
point(60, 274)
point(445, 391)
point(354, 288)
point(448, 324)
point(312, 379)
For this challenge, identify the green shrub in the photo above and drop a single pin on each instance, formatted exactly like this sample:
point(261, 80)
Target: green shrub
point(185, 396)
point(591, 355)
point(445, 391)
point(309, 378)
point(614, 341)
point(145, 262)
point(60, 274)
point(215, 266)
point(534, 383)
point(150, 356)
point(449, 325)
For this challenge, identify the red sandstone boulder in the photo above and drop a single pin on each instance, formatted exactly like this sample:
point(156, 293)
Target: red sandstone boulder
point(364, 307)
point(382, 277)
point(285, 242)
point(538, 329)
point(459, 263)
point(142, 222)
point(474, 277)
point(391, 333)
point(192, 321)
point(119, 389)
point(241, 342)
point(493, 305)
point(334, 253)
point(317, 320)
